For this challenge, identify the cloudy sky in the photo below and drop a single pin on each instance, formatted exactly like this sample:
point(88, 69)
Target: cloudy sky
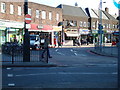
point(81, 3)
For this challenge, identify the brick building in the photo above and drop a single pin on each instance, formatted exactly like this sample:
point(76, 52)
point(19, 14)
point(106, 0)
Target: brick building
point(75, 23)
point(44, 19)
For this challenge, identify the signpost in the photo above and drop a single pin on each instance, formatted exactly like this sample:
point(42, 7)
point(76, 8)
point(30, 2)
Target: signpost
point(27, 18)
point(26, 43)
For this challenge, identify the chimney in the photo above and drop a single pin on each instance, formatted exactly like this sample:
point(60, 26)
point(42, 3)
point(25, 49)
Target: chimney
point(107, 10)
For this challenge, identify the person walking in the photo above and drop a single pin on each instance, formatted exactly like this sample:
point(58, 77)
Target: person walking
point(46, 48)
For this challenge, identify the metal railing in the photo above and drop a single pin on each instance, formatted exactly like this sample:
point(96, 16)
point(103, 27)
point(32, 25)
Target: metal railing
point(12, 53)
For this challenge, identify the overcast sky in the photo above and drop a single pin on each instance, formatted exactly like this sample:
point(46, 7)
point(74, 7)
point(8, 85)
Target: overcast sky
point(81, 3)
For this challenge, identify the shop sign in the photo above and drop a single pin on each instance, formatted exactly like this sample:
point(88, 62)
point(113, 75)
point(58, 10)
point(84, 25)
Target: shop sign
point(84, 31)
point(12, 24)
point(39, 26)
point(57, 28)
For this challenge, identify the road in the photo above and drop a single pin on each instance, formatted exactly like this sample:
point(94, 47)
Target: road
point(78, 68)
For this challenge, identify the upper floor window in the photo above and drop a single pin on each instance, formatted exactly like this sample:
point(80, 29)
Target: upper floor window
point(57, 16)
point(84, 24)
point(19, 10)
point(50, 15)
point(29, 11)
point(93, 24)
point(11, 9)
point(75, 23)
point(88, 24)
point(81, 23)
point(3, 9)
point(43, 15)
point(37, 13)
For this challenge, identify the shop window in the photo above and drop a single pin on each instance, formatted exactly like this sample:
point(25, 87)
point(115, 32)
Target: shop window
point(37, 13)
point(43, 15)
point(11, 9)
point(3, 9)
point(50, 15)
point(19, 10)
point(29, 11)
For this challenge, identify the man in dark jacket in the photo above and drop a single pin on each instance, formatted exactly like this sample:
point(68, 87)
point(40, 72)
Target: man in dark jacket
point(46, 48)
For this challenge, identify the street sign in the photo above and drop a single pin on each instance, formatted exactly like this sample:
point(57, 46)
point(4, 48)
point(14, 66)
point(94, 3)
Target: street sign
point(27, 18)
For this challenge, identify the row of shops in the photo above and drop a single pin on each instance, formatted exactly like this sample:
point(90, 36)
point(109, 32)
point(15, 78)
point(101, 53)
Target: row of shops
point(9, 31)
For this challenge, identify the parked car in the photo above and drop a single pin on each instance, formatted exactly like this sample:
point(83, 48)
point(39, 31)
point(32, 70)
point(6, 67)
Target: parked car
point(34, 41)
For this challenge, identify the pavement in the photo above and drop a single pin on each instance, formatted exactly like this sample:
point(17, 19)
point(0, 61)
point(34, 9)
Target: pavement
point(105, 52)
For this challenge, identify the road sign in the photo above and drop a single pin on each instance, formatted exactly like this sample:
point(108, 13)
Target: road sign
point(27, 18)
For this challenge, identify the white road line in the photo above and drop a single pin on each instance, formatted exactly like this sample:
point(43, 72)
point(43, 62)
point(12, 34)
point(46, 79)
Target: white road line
point(75, 54)
point(10, 75)
point(8, 68)
point(102, 65)
point(56, 50)
point(67, 73)
point(60, 53)
point(11, 84)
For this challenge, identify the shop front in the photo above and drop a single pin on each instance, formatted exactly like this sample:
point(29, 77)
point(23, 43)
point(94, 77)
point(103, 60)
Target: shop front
point(9, 31)
point(57, 36)
point(41, 30)
point(84, 35)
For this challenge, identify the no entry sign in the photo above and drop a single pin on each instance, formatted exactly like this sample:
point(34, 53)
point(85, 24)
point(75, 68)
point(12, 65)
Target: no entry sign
point(27, 18)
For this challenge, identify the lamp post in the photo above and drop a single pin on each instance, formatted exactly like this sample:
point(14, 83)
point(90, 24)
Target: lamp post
point(100, 27)
point(26, 42)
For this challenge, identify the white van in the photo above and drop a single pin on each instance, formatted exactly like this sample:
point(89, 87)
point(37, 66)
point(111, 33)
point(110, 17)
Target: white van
point(34, 41)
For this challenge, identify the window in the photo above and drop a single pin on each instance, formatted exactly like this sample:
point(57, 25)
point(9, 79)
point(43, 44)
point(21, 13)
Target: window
point(50, 15)
point(93, 24)
point(3, 7)
point(37, 13)
point(84, 24)
point(75, 23)
point(43, 15)
point(57, 16)
point(19, 10)
point(88, 24)
point(11, 9)
point(81, 24)
point(29, 11)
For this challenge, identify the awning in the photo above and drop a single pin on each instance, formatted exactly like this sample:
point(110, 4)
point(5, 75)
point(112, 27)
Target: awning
point(44, 28)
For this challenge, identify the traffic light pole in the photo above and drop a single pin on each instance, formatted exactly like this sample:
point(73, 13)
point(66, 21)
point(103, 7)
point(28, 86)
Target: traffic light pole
point(26, 42)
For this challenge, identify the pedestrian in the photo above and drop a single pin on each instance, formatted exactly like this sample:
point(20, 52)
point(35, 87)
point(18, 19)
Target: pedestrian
point(46, 48)
point(88, 40)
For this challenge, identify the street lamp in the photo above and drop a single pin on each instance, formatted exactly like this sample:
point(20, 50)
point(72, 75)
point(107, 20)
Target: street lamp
point(26, 42)
point(100, 27)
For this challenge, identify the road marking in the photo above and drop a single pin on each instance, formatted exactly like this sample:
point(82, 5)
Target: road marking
point(8, 68)
point(10, 75)
point(56, 50)
point(67, 73)
point(11, 84)
point(101, 65)
point(75, 54)
point(60, 53)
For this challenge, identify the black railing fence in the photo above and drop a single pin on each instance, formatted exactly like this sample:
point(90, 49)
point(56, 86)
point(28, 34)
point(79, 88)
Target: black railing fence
point(13, 52)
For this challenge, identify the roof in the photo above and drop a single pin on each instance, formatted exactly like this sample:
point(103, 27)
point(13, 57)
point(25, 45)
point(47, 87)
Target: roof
point(109, 16)
point(103, 15)
point(72, 10)
point(91, 13)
